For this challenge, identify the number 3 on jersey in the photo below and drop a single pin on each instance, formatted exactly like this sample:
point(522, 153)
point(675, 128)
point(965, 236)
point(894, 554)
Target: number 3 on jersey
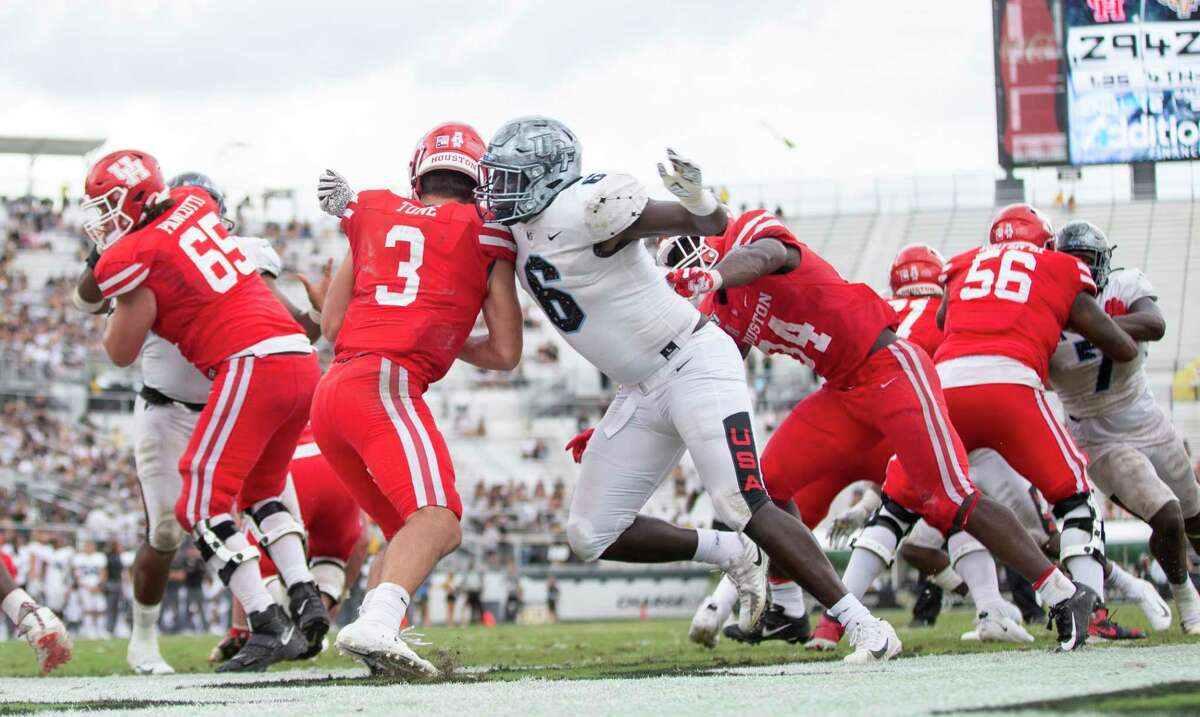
point(560, 307)
point(406, 270)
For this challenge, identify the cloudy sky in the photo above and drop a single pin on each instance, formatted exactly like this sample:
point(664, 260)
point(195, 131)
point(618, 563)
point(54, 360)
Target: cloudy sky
point(270, 92)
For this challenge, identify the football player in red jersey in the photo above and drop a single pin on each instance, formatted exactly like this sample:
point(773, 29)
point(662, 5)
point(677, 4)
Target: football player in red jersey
point(168, 263)
point(1005, 307)
point(772, 292)
point(400, 311)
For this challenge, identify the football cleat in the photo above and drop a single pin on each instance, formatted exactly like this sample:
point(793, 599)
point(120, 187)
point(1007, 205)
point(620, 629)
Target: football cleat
point(46, 634)
point(998, 627)
point(233, 641)
point(749, 574)
point(774, 625)
point(1190, 624)
point(928, 605)
point(144, 659)
point(873, 640)
point(1103, 627)
point(827, 635)
point(706, 623)
point(1071, 618)
point(309, 614)
point(273, 638)
point(384, 650)
point(1157, 610)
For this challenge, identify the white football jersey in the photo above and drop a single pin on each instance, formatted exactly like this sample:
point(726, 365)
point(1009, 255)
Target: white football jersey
point(88, 568)
point(1088, 382)
point(166, 370)
point(617, 311)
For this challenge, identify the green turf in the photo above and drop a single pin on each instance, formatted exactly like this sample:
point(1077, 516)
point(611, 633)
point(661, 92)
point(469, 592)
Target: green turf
point(566, 651)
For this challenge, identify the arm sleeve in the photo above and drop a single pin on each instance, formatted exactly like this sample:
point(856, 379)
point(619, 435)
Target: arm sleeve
point(496, 242)
point(122, 268)
point(614, 204)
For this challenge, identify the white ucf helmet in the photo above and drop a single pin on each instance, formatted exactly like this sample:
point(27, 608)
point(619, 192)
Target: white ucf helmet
point(527, 163)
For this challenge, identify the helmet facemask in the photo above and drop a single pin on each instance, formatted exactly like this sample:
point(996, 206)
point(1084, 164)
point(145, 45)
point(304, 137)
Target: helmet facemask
point(683, 252)
point(1097, 260)
point(110, 222)
point(505, 192)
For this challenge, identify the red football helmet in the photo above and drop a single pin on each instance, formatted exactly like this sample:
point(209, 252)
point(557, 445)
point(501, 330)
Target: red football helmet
point(682, 252)
point(451, 145)
point(119, 187)
point(915, 271)
point(1023, 223)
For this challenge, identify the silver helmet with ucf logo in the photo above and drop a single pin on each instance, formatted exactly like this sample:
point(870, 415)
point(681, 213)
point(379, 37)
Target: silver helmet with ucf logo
point(527, 163)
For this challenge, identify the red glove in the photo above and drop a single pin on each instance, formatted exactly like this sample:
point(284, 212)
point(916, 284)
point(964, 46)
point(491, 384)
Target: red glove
point(578, 444)
point(694, 281)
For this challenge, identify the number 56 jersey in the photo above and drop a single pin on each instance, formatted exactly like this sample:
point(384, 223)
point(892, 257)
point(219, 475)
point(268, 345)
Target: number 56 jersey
point(420, 278)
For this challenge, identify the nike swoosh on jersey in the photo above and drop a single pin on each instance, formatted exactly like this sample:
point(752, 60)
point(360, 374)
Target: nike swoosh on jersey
point(551, 237)
point(680, 368)
point(889, 382)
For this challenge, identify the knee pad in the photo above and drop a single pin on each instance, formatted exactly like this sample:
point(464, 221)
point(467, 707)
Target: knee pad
point(330, 576)
point(890, 517)
point(962, 544)
point(1082, 528)
point(164, 533)
point(211, 539)
point(272, 521)
point(585, 541)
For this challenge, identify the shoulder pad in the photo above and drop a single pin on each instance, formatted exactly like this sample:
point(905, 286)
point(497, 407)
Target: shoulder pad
point(264, 256)
point(612, 205)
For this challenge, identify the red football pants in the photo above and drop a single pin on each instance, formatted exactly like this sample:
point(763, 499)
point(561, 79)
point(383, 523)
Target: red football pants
point(243, 442)
point(375, 430)
point(331, 517)
point(895, 398)
point(1018, 423)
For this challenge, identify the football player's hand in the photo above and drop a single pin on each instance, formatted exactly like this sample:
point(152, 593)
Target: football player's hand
point(686, 182)
point(333, 193)
point(694, 281)
point(850, 521)
point(577, 444)
point(317, 290)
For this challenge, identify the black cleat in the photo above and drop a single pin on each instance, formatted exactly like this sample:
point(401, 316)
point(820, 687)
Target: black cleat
point(928, 606)
point(233, 642)
point(273, 638)
point(309, 614)
point(774, 625)
point(1072, 616)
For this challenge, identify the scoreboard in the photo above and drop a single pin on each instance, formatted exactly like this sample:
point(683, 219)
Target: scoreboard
point(1132, 80)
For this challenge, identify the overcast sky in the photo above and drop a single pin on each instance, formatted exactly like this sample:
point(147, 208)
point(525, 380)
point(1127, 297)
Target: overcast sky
point(269, 93)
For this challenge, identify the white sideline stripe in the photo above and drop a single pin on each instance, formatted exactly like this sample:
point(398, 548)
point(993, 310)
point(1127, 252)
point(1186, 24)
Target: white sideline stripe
point(227, 428)
point(193, 489)
point(941, 459)
point(948, 442)
point(410, 451)
point(1073, 460)
point(430, 454)
point(497, 241)
point(121, 275)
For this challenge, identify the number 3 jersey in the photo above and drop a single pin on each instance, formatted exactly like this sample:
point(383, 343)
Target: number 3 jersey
point(1091, 385)
point(810, 313)
point(616, 310)
point(1007, 305)
point(420, 278)
point(211, 302)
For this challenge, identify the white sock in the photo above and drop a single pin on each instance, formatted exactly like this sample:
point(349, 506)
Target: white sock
point(389, 605)
point(145, 621)
point(717, 547)
point(1185, 595)
point(725, 595)
point(849, 611)
point(14, 602)
point(861, 571)
point(1120, 581)
point(790, 597)
point(286, 551)
point(1086, 570)
point(946, 579)
point(1055, 587)
point(246, 583)
point(978, 571)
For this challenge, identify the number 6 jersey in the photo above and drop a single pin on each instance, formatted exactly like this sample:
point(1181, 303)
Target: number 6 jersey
point(211, 301)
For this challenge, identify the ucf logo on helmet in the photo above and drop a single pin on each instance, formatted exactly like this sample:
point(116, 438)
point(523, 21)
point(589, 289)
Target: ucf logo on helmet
point(129, 170)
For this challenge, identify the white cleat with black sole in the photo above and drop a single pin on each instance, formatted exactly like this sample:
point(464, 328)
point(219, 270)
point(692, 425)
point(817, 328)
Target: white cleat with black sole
point(1157, 610)
point(384, 650)
point(706, 623)
point(873, 640)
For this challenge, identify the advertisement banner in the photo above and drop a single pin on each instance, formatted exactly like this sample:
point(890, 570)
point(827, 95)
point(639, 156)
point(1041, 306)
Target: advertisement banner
point(1030, 89)
point(1133, 80)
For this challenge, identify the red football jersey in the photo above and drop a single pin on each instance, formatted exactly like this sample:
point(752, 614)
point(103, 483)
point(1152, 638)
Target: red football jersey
point(918, 320)
point(211, 301)
point(420, 278)
point(1010, 299)
point(810, 313)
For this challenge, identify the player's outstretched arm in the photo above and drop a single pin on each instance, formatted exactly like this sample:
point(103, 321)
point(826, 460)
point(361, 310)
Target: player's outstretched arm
point(129, 324)
point(1090, 321)
point(761, 258)
point(1144, 320)
point(501, 349)
point(337, 299)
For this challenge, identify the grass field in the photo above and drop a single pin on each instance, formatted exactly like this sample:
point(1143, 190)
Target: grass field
point(632, 667)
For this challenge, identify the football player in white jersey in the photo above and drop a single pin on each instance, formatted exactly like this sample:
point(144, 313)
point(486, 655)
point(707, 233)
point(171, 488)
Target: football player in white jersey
point(1137, 457)
point(165, 415)
point(90, 571)
point(580, 256)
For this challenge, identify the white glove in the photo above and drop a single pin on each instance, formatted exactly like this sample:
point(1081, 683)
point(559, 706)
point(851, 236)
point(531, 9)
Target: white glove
point(687, 184)
point(852, 520)
point(334, 193)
